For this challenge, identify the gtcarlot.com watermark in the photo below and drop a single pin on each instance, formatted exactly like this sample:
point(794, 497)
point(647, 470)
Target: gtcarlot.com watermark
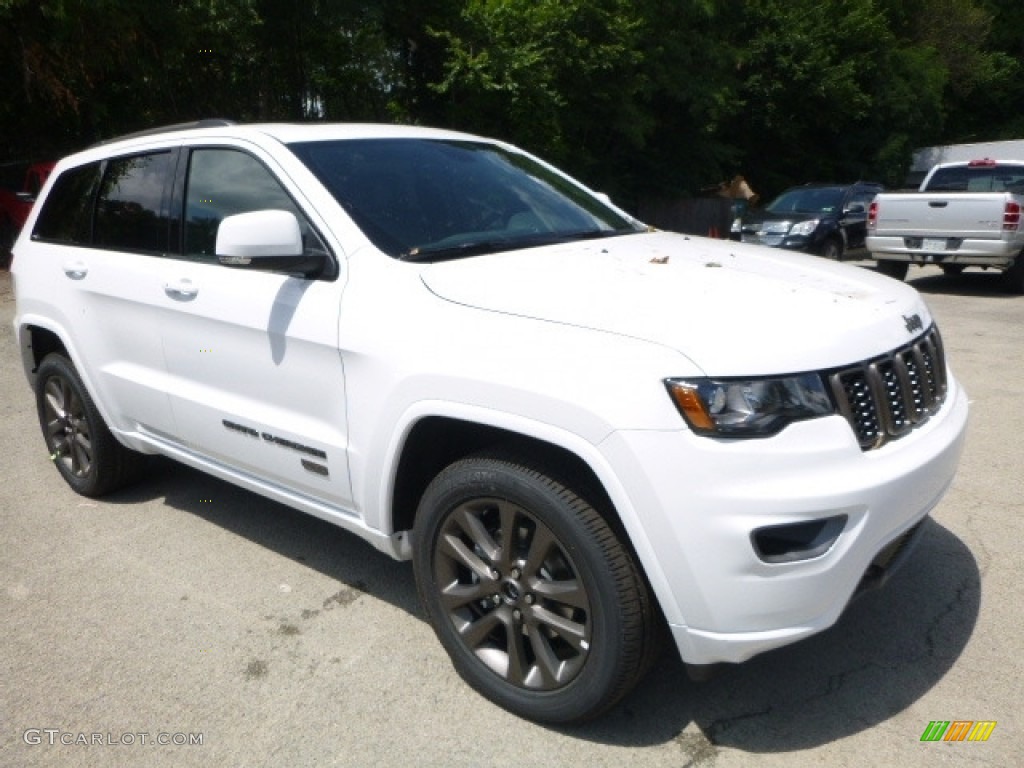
point(56, 736)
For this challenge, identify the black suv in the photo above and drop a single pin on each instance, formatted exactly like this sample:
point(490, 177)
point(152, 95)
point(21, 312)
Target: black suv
point(827, 219)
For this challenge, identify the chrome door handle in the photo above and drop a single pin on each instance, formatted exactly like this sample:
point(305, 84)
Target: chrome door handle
point(76, 270)
point(181, 290)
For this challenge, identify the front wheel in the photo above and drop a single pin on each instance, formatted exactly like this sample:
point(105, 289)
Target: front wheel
point(536, 600)
point(832, 249)
point(86, 454)
point(897, 270)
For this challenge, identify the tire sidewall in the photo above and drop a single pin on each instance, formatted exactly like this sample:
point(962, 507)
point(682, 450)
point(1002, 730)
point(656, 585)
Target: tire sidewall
point(588, 693)
point(832, 249)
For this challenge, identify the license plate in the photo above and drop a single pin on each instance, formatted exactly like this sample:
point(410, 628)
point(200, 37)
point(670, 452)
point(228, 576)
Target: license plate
point(933, 244)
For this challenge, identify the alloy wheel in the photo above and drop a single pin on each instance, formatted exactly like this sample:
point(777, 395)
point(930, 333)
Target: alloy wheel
point(513, 594)
point(67, 429)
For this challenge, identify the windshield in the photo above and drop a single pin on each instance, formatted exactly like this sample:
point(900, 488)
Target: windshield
point(420, 199)
point(807, 200)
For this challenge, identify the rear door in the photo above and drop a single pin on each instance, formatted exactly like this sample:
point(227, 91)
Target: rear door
point(102, 236)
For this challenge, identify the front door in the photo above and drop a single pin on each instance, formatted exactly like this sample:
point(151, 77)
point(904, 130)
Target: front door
point(258, 382)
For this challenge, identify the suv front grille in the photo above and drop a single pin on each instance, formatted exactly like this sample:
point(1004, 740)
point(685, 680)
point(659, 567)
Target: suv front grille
point(885, 398)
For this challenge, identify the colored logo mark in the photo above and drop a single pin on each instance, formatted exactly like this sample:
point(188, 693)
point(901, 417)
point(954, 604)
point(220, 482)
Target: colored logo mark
point(958, 730)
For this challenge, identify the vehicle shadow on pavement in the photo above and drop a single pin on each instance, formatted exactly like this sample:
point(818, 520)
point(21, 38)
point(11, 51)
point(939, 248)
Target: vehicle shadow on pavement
point(890, 647)
point(332, 551)
point(971, 283)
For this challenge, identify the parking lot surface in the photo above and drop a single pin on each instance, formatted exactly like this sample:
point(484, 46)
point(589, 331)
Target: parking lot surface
point(185, 622)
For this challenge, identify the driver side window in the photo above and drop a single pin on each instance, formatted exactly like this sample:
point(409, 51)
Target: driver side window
point(223, 182)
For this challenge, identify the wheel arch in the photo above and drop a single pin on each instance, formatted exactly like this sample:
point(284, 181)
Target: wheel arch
point(435, 441)
point(36, 343)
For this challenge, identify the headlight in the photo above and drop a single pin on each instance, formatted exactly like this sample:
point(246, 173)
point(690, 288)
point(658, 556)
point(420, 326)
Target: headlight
point(749, 407)
point(804, 228)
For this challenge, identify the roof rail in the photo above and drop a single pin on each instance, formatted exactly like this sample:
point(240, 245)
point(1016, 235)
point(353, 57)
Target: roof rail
point(213, 122)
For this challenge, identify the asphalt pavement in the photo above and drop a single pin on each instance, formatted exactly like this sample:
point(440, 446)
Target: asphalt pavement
point(185, 622)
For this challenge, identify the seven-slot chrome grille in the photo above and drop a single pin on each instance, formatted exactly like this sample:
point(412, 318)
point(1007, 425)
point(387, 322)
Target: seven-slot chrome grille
point(886, 397)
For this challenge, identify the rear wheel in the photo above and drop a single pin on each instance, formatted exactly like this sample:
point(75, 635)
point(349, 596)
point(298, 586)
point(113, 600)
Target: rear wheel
point(897, 270)
point(84, 451)
point(8, 234)
point(1013, 278)
point(537, 602)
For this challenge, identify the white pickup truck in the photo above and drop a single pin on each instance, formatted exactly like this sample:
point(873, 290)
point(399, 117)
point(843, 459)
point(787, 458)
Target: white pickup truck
point(965, 214)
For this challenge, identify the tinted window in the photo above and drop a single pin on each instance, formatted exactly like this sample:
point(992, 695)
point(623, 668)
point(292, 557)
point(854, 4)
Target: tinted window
point(223, 182)
point(999, 178)
point(863, 196)
point(66, 216)
point(132, 208)
point(424, 199)
point(807, 200)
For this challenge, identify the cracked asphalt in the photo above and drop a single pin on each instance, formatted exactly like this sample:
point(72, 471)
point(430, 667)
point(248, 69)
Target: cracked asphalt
point(188, 609)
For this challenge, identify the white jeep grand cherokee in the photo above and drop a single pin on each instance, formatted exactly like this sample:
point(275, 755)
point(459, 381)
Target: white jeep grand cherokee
point(580, 431)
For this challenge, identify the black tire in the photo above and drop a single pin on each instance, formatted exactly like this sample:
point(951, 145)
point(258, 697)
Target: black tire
point(1013, 278)
point(536, 600)
point(832, 249)
point(952, 270)
point(7, 237)
point(81, 446)
point(897, 270)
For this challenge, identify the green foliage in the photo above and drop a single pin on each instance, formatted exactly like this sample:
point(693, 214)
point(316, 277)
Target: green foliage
point(562, 77)
point(640, 98)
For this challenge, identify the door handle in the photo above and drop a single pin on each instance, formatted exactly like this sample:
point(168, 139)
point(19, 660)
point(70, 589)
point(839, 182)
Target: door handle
point(181, 290)
point(76, 270)
point(938, 203)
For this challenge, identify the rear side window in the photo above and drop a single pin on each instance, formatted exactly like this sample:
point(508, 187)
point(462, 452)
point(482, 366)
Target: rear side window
point(66, 216)
point(132, 210)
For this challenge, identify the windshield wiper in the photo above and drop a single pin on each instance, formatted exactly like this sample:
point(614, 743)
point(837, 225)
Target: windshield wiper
point(494, 245)
point(470, 248)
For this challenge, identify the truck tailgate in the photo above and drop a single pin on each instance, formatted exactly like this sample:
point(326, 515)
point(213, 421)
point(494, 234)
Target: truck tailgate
point(926, 214)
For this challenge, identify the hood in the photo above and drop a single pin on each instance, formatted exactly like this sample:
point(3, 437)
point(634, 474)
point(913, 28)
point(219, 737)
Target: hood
point(732, 309)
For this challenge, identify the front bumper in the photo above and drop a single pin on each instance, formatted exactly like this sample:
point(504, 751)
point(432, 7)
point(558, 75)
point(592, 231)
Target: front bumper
point(803, 243)
point(698, 502)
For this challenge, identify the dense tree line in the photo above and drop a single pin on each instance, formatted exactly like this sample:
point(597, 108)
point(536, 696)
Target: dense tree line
point(638, 97)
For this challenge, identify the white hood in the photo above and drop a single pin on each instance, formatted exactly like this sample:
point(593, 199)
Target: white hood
point(732, 309)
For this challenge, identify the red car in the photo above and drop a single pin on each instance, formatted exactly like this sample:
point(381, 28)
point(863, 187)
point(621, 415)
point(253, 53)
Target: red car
point(16, 201)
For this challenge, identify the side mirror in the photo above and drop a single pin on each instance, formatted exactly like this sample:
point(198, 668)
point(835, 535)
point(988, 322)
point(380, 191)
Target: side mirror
point(267, 240)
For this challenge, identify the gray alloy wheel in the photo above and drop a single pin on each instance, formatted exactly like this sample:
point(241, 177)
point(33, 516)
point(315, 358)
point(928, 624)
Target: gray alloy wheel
point(68, 435)
point(513, 594)
point(84, 451)
point(531, 593)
